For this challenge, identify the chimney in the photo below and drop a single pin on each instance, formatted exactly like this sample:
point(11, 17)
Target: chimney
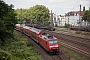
point(83, 8)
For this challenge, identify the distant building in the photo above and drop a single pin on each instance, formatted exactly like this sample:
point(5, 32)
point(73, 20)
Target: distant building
point(74, 13)
point(59, 20)
point(73, 18)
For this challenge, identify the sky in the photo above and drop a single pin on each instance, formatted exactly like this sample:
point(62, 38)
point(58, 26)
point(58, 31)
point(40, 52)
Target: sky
point(59, 7)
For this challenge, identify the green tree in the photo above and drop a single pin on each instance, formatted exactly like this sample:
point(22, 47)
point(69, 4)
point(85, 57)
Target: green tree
point(37, 13)
point(7, 21)
point(89, 7)
point(18, 13)
point(24, 13)
point(40, 13)
point(86, 16)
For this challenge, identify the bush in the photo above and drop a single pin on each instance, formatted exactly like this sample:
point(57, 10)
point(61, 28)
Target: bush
point(78, 32)
point(18, 49)
point(86, 33)
point(4, 55)
point(67, 25)
point(29, 43)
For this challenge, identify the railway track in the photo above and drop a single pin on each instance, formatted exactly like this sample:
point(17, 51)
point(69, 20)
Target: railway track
point(78, 44)
point(80, 47)
point(82, 51)
point(57, 57)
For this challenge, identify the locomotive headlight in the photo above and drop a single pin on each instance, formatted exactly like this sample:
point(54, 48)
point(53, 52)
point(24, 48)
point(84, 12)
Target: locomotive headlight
point(50, 46)
point(56, 46)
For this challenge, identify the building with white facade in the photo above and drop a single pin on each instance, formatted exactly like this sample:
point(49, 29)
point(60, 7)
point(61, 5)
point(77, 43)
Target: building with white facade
point(75, 18)
point(72, 18)
point(59, 20)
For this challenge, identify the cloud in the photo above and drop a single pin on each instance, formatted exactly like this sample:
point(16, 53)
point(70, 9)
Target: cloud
point(58, 6)
point(87, 3)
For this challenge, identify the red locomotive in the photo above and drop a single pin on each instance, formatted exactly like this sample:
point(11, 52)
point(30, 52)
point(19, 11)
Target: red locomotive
point(49, 42)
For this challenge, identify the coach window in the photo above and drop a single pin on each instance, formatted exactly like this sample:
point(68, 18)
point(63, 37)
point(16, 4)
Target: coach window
point(44, 38)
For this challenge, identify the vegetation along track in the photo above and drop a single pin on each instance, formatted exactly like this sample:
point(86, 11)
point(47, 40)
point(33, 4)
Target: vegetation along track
point(79, 44)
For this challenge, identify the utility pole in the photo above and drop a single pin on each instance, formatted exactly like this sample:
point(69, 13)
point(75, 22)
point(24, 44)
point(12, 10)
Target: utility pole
point(80, 17)
point(51, 20)
point(21, 17)
point(74, 16)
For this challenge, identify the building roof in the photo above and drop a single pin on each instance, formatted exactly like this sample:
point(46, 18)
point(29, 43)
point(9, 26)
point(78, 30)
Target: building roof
point(74, 13)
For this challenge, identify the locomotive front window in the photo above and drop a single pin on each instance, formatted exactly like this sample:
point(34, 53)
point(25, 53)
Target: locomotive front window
point(52, 41)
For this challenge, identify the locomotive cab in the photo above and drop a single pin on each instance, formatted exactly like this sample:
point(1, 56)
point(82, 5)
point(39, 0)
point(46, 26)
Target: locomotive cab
point(53, 45)
point(49, 42)
point(17, 27)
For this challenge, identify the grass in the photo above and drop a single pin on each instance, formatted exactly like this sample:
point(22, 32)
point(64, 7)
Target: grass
point(75, 32)
point(86, 33)
point(72, 55)
point(63, 30)
point(18, 48)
